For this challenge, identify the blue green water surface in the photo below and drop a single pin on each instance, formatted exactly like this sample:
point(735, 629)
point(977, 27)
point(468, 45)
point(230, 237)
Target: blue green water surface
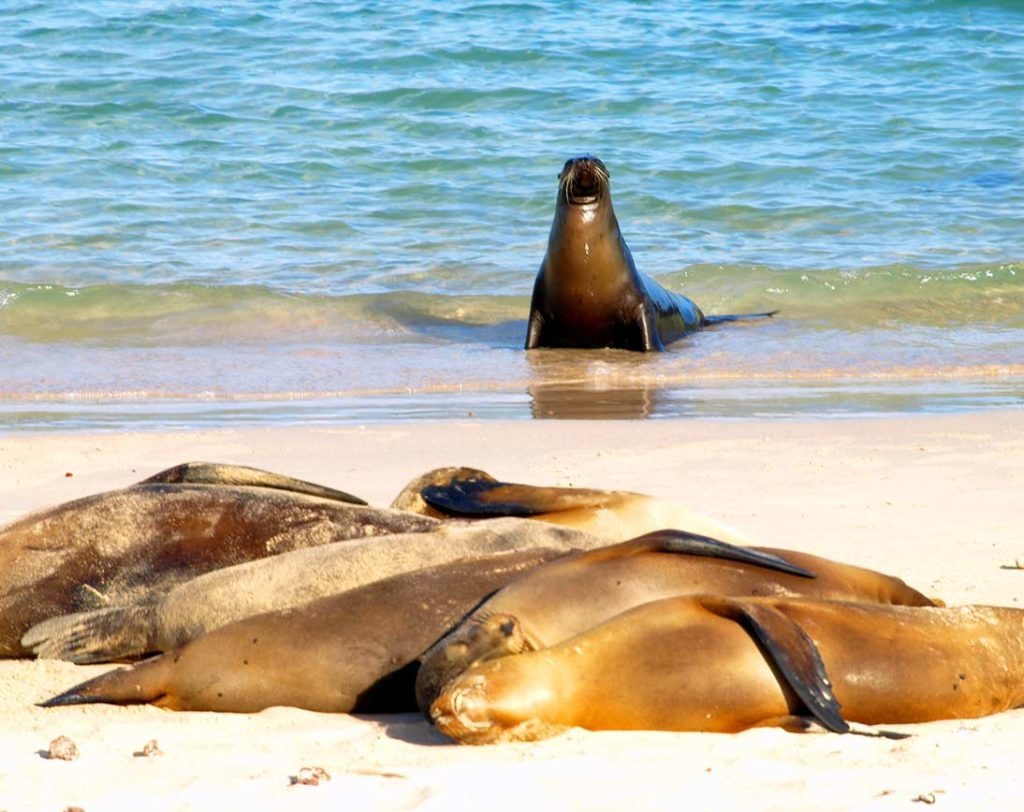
point(261, 211)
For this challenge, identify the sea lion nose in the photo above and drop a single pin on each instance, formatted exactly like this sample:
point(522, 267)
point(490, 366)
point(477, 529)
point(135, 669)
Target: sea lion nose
point(462, 709)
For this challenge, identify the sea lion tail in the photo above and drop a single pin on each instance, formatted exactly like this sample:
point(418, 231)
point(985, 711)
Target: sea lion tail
point(711, 321)
point(102, 636)
point(138, 684)
point(217, 473)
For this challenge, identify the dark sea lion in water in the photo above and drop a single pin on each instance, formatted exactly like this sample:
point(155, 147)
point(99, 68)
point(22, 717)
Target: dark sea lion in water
point(125, 546)
point(588, 292)
point(565, 598)
point(469, 493)
point(222, 596)
point(351, 652)
point(713, 663)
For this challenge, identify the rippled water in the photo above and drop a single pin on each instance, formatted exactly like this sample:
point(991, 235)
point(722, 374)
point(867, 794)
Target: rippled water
point(254, 211)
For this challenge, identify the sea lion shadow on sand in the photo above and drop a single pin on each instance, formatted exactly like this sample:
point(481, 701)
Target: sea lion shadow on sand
point(411, 728)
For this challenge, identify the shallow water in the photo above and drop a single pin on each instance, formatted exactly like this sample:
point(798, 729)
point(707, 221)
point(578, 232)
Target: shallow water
point(263, 212)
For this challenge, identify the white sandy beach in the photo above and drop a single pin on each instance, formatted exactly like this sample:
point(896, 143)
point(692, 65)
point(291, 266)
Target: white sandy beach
point(933, 499)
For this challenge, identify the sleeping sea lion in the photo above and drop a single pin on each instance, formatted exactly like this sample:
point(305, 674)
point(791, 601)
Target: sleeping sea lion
point(588, 292)
point(351, 652)
point(470, 493)
point(713, 663)
point(197, 606)
point(565, 598)
point(123, 546)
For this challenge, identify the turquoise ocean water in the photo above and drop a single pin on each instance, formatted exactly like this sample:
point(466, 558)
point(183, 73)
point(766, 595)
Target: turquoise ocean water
point(249, 212)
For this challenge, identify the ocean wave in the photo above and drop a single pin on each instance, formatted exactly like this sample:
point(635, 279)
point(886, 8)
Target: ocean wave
point(184, 313)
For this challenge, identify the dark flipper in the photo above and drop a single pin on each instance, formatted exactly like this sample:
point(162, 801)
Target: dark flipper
point(681, 541)
point(103, 636)
point(135, 685)
point(791, 653)
point(476, 497)
point(711, 321)
point(215, 473)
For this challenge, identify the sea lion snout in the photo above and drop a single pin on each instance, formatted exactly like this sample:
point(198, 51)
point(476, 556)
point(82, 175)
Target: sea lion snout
point(462, 712)
point(583, 179)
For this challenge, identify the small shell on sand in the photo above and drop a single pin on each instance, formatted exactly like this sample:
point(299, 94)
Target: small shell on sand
point(149, 749)
point(62, 749)
point(311, 776)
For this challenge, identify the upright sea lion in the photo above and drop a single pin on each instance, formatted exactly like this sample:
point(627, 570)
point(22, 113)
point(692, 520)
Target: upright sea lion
point(722, 664)
point(125, 546)
point(351, 652)
point(216, 598)
point(470, 493)
point(565, 598)
point(588, 292)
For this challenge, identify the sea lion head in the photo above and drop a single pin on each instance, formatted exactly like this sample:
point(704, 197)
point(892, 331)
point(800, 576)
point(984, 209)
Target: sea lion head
point(498, 701)
point(482, 636)
point(583, 180)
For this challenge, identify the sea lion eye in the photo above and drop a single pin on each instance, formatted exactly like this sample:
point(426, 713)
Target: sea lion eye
point(508, 628)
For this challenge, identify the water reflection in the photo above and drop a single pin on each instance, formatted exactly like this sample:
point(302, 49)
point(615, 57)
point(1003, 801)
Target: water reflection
point(592, 385)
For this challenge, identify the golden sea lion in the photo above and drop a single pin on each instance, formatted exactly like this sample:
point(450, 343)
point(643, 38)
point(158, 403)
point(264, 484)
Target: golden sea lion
point(351, 652)
point(201, 604)
point(469, 493)
point(712, 663)
point(124, 546)
point(588, 292)
point(565, 598)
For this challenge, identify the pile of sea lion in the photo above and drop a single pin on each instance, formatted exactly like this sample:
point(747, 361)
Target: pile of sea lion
point(503, 611)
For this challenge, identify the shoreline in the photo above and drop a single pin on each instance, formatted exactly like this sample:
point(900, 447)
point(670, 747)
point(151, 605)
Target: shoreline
point(931, 498)
point(584, 393)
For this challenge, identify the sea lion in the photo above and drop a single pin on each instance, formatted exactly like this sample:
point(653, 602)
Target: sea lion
point(123, 546)
point(351, 652)
point(470, 493)
point(565, 598)
point(713, 663)
point(588, 292)
point(216, 598)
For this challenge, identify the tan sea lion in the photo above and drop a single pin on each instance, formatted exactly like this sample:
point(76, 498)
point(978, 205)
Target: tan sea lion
point(565, 598)
point(713, 663)
point(123, 546)
point(588, 292)
point(470, 493)
point(216, 598)
point(351, 652)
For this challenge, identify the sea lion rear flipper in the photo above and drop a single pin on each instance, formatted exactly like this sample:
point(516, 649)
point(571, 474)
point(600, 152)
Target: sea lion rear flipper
point(215, 473)
point(480, 497)
point(682, 541)
point(102, 636)
point(791, 653)
point(711, 321)
point(143, 683)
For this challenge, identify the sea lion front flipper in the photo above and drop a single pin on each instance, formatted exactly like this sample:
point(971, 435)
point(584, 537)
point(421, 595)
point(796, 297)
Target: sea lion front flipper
point(479, 497)
point(790, 652)
point(101, 636)
point(216, 473)
point(682, 541)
